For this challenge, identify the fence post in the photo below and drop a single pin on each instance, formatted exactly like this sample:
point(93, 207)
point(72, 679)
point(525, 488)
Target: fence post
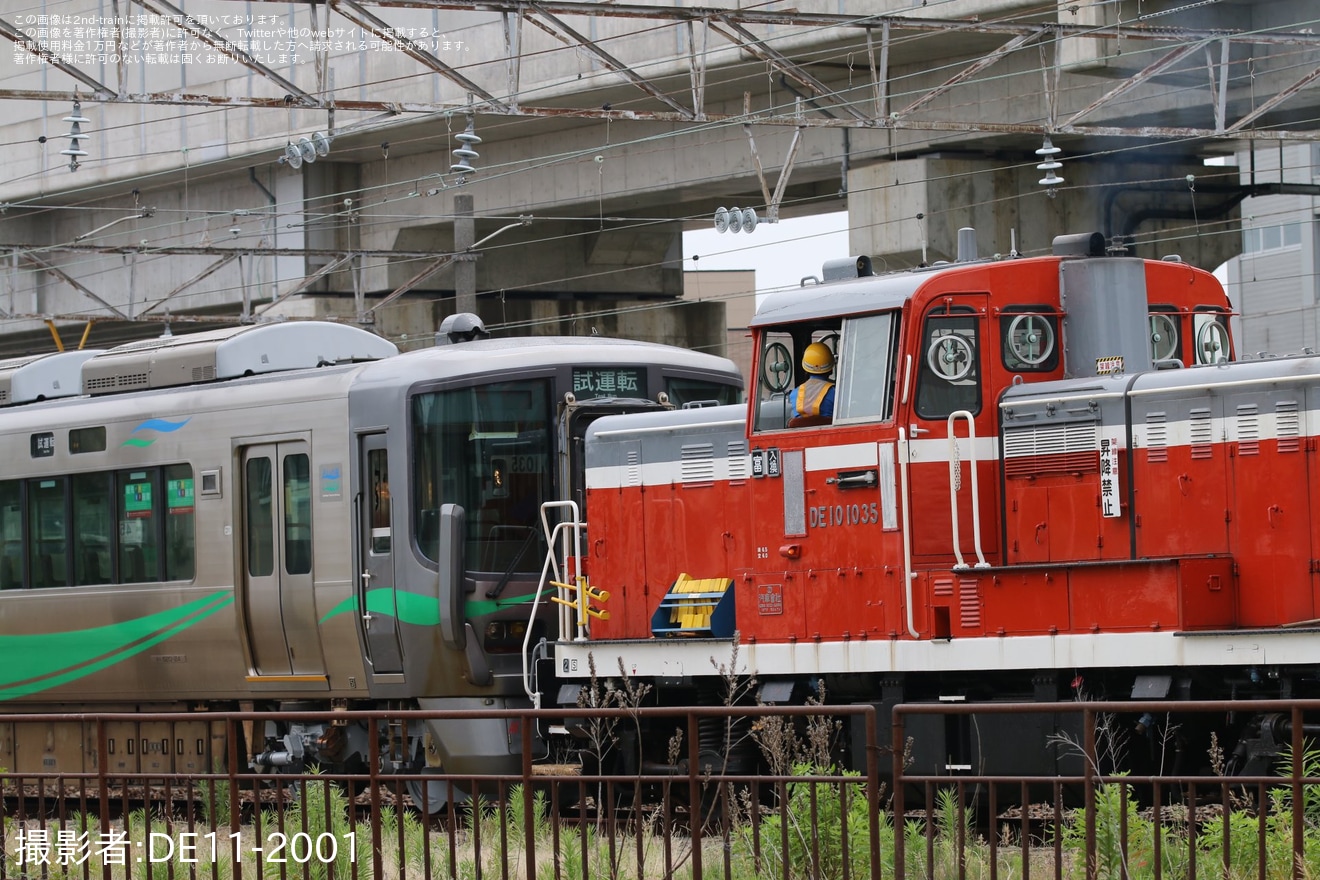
point(873, 788)
point(1088, 785)
point(694, 794)
point(1298, 807)
point(529, 808)
point(896, 748)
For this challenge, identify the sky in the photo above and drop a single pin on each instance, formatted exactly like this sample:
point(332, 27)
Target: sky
point(781, 253)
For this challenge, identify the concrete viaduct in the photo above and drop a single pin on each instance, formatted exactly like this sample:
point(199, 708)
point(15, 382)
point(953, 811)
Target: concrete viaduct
point(257, 159)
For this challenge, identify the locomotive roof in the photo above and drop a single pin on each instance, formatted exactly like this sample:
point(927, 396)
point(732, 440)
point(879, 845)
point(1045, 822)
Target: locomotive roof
point(872, 293)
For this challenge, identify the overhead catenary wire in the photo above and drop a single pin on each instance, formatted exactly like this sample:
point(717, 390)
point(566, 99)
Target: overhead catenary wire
point(370, 220)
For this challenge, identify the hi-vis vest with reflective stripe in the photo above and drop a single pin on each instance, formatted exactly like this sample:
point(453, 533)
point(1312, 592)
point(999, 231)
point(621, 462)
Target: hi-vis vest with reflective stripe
point(810, 395)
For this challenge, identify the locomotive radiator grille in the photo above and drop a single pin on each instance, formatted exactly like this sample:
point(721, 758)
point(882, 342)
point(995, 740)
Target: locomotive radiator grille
point(969, 602)
point(1288, 425)
point(1157, 437)
point(737, 460)
point(698, 466)
point(1202, 433)
point(1248, 430)
point(1072, 447)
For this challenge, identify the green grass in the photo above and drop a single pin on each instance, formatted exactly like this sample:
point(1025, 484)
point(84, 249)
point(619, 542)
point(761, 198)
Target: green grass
point(812, 829)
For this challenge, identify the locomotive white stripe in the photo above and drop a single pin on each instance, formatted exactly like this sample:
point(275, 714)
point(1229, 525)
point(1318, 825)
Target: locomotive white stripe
point(817, 458)
point(676, 657)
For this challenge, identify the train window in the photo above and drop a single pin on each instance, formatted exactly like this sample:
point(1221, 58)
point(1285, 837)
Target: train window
point(378, 466)
point(781, 375)
point(684, 392)
point(1210, 335)
point(93, 524)
point(180, 531)
point(1166, 342)
point(47, 544)
point(866, 368)
point(139, 540)
point(260, 537)
point(949, 378)
point(87, 440)
point(1029, 336)
point(297, 514)
point(11, 534)
point(488, 449)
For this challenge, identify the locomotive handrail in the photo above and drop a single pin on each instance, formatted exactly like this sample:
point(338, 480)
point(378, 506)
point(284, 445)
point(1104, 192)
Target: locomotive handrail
point(551, 561)
point(955, 486)
point(908, 574)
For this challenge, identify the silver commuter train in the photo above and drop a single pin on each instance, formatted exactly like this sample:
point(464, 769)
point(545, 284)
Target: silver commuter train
point(294, 515)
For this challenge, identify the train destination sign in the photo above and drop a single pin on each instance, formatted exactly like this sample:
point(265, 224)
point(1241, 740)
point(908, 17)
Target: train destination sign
point(608, 382)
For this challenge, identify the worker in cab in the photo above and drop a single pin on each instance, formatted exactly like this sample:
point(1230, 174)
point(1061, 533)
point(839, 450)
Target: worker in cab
point(813, 400)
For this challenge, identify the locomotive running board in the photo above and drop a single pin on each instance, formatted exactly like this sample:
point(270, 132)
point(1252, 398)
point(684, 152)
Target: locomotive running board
point(679, 658)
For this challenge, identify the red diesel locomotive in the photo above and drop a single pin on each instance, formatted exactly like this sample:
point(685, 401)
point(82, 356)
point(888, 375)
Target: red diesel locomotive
point(1043, 479)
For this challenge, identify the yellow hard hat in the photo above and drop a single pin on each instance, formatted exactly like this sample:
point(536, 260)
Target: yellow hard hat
point(818, 359)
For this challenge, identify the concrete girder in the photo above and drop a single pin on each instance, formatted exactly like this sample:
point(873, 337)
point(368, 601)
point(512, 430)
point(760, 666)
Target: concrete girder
point(369, 22)
point(68, 279)
point(1147, 204)
point(190, 25)
point(635, 197)
point(613, 63)
point(41, 51)
point(205, 273)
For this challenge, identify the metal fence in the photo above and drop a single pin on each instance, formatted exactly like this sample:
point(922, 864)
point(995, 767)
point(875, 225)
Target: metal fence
point(795, 817)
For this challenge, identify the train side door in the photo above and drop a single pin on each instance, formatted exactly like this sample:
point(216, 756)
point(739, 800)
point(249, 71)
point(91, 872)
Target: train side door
point(379, 620)
point(279, 602)
point(949, 367)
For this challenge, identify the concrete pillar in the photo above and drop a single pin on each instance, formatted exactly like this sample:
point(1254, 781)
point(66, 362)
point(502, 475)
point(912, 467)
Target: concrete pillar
point(909, 211)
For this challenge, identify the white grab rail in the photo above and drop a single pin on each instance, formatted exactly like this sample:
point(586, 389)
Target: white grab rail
point(955, 485)
point(569, 533)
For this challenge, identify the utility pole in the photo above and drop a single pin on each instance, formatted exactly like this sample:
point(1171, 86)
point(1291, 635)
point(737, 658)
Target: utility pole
point(465, 263)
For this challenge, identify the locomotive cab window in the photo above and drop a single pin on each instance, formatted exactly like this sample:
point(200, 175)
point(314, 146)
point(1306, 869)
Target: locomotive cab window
point(949, 377)
point(1166, 342)
point(796, 376)
point(1029, 338)
point(867, 368)
point(1210, 335)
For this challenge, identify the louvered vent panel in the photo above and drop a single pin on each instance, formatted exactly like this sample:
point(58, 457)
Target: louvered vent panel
point(698, 465)
point(203, 374)
point(634, 475)
point(969, 601)
point(1288, 425)
point(943, 586)
point(4, 396)
point(1202, 433)
point(1043, 449)
point(1248, 430)
point(1157, 437)
point(737, 459)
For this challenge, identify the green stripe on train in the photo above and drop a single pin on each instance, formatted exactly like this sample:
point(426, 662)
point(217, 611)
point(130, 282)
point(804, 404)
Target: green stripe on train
point(417, 609)
point(30, 664)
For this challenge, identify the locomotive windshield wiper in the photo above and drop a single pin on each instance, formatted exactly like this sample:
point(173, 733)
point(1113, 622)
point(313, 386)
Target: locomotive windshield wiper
point(495, 591)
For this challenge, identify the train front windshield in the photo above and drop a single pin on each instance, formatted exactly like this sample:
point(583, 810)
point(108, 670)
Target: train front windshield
point(489, 449)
